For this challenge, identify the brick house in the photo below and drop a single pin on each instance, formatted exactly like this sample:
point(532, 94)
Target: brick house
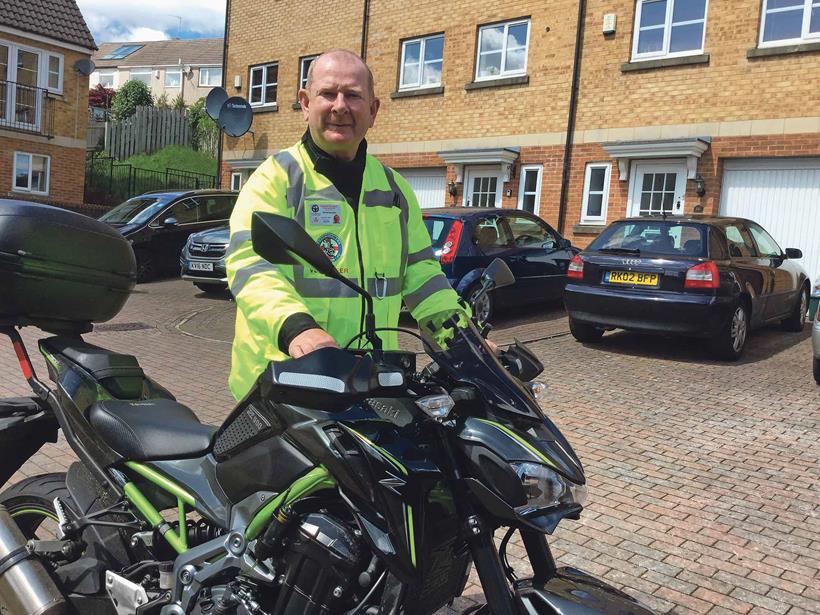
point(680, 106)
point(44, 45)
point(190, 68)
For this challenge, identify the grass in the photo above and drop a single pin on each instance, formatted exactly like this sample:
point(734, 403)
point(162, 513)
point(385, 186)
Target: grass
point(175, 157)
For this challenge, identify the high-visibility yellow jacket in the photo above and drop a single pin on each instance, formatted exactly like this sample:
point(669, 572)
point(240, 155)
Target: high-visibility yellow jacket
point(383, 247)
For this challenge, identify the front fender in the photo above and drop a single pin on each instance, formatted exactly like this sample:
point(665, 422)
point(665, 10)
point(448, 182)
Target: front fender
point(468, 280)
point(572, 592)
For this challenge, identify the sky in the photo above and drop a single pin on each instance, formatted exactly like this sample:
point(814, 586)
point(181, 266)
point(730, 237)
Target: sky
point(153, 20)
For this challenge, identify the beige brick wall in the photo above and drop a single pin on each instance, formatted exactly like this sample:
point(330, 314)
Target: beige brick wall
point(66, 170)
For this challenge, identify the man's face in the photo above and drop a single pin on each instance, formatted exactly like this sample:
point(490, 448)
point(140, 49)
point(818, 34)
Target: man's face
point(338, 106)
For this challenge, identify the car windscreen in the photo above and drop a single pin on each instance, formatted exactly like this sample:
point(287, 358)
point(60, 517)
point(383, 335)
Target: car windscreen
point(135, 211)
point(653, 237)
point(438, 228)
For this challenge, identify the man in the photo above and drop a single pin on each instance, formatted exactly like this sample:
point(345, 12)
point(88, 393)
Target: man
point(362, 214)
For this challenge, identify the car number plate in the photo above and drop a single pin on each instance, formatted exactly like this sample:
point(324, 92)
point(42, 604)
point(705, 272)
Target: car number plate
point(632, 278)
point(202, 266)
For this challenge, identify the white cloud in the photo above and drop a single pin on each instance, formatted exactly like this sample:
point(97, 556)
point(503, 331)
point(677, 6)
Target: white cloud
point(130, 20)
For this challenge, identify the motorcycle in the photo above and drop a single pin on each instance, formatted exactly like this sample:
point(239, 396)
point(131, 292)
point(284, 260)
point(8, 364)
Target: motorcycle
point(347, 482)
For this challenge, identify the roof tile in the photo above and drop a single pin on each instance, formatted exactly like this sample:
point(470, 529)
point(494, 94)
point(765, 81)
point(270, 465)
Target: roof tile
point(57, 19)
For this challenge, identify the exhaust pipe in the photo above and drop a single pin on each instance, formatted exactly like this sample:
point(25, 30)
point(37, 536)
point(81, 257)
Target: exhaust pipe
point(26, 587)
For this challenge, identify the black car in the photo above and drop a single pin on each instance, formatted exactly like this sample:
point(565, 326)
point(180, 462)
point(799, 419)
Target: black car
point(158, 224)
point(467, 239)
point(202, 260)
point(710, 277)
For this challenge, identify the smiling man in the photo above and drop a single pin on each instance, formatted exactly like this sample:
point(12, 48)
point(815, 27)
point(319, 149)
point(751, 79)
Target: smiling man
point(362, 214)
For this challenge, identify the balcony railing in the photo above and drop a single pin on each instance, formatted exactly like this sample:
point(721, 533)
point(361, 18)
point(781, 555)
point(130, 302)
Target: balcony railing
point(26, 108)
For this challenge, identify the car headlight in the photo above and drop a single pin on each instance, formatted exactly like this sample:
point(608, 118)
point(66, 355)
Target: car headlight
point(545, 488)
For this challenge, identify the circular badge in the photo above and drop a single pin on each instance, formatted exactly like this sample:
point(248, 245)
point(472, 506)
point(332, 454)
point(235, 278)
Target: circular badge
point(332, 246)
point(315, 209)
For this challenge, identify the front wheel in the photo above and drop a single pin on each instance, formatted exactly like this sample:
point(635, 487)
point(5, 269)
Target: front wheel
point(731, 340)
point(483, 309)
point(585, 333)
point(146, 267)
point(797, 319)
point(31, 504)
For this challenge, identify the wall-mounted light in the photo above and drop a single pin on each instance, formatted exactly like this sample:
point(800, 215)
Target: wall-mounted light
point(700, 186)
point(237, 81)
point(451, 189)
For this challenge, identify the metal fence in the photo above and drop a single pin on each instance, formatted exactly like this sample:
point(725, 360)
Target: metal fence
point(26, 108)
point(108, 182)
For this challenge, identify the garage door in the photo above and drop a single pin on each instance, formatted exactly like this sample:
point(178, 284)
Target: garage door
point(783, 196)
point(428, 184)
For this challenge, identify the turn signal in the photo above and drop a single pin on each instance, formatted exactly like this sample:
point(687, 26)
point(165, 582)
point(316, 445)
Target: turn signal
point(450, 246)
point(704, 275)
point(575, 271)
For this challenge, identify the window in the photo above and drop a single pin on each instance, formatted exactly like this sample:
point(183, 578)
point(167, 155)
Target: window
point(766, 245)
point(185, 212)
point(789, 21)
point(141, 74)
point(215, 207)
point(528, 233)
point(107, 78)
point(421, 61)
point(122, 52)
point(210, 76)
point(669, 28)
point(490, 236)
point(740, 242)
point(502, 50)
point(30, 173)
point(55, 72)
point(236, 180)
point(304, 67)
point(596, 193)
point(173, 77)
point(653, 237)
point(263, 84)
point(529, 190)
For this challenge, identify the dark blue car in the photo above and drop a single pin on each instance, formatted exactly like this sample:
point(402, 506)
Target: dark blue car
point(467, 239)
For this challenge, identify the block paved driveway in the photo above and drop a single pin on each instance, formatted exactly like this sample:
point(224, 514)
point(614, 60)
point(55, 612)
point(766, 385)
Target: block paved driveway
point(704, 483)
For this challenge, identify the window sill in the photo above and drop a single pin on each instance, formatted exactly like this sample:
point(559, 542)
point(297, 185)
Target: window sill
point(766, 52)
point(497, 83)
point(417, 92)
point(588, 229)
point(628, 67)
point(265, 109)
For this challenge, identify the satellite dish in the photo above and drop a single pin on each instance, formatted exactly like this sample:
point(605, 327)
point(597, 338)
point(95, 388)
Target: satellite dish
point(187, 69)
point(235, 117)
point(214, 101)
point(84, 66)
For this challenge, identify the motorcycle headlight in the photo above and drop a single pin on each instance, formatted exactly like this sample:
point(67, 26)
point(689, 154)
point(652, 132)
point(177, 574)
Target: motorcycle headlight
point(546, 488)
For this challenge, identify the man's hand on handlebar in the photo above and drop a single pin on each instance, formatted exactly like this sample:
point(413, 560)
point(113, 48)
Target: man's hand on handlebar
point(310, 340)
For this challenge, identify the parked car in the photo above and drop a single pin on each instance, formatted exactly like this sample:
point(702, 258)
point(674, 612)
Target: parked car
point(465, 240)
point(202, 260)
point(158, 224)
point(815, 345)
point(711, 277)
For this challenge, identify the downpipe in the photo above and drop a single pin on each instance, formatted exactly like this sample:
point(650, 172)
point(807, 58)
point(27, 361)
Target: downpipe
point(26, 587)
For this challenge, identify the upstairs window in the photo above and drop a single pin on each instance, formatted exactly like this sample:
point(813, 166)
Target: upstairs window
point(140, 74)
point(263, 84)
point(502, 50)
point(122, 52)
point(304, 67)
point(669, 28)
point(421, 62)
point(173, 78)
point(210, 76)
point(108, 78)
point(789, 21)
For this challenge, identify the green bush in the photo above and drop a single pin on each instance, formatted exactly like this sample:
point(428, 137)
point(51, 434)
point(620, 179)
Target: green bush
point(131, 95)
point(204, 130)
point(178, 102)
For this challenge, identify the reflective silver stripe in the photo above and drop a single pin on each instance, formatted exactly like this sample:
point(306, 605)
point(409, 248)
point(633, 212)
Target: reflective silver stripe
point(381, 198)
point(320, 288)
point(237, 239)
point(384, 287)
point(405, 212)
point(243, 275)
point(330, 193)
point(296, 178)
point(421, 255)
point(431, 286)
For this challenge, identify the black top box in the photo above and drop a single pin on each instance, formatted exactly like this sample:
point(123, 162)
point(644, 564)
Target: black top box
point(60, 270)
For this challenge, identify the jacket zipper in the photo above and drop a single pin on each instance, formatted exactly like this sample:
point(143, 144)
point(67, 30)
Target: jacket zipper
point(362, 277)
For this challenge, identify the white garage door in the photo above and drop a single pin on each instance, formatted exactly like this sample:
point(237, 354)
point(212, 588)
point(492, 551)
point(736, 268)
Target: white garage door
point(783, 196)
point(428, 184)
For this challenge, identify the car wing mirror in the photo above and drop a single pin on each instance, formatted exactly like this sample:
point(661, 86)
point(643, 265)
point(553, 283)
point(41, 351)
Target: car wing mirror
point(794, 253)
point(497, 274)
point(564, 244)
point(170, 222)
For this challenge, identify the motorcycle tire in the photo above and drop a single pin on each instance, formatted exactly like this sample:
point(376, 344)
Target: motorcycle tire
point(31, 504)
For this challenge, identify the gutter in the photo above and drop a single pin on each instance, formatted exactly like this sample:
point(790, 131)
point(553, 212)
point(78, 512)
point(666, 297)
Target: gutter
point(365, 21)
point(573, 104)
point(224, 83)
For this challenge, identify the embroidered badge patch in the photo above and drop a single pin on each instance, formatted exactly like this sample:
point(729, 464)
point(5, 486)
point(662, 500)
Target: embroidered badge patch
point(332, 246)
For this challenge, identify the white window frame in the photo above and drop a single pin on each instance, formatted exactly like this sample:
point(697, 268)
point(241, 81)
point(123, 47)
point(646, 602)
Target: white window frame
point(265, 84)
point(141, 71)
point(539, 169)
point(585, 217)
point(207, 70)
point(303, 70)
point(106, 72)
point(43, 68)
point(805, 35)
point(422, 40)
point(58, 89)
point(667, 33)
point(171, 71)
point(28, 190)
point(236, 181)
point(504, 73)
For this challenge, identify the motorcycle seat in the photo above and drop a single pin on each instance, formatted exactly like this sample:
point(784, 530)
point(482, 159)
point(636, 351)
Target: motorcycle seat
point(151, 429)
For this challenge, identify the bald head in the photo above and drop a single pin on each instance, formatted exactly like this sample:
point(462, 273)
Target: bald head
point(343, 55)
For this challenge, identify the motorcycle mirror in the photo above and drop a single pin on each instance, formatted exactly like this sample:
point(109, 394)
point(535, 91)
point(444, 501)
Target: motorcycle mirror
point(498, 273)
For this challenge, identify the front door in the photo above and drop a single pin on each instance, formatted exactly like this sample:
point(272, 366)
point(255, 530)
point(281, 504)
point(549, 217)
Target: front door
point(482, 186)
point(657, 188)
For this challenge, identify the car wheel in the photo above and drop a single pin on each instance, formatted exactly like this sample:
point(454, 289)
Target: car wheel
point(585, 333)
point(483, 310)
point(211, 289)
point(145, 266)
point(816, 369)
point(797, 319)
point(731, 341)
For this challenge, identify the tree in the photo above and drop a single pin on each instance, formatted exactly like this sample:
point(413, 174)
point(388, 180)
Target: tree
point(204, 129)
point(161, 101)
point(130, 96)
point(100, 96)
point(178, 103)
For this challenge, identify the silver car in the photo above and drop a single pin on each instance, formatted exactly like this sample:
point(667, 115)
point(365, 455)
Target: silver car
point(815, 346)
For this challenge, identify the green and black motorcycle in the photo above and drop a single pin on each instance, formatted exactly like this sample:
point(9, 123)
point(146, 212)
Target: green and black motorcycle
point(346, 482)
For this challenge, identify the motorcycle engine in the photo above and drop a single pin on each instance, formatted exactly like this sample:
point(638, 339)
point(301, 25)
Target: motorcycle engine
point(319, 566)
